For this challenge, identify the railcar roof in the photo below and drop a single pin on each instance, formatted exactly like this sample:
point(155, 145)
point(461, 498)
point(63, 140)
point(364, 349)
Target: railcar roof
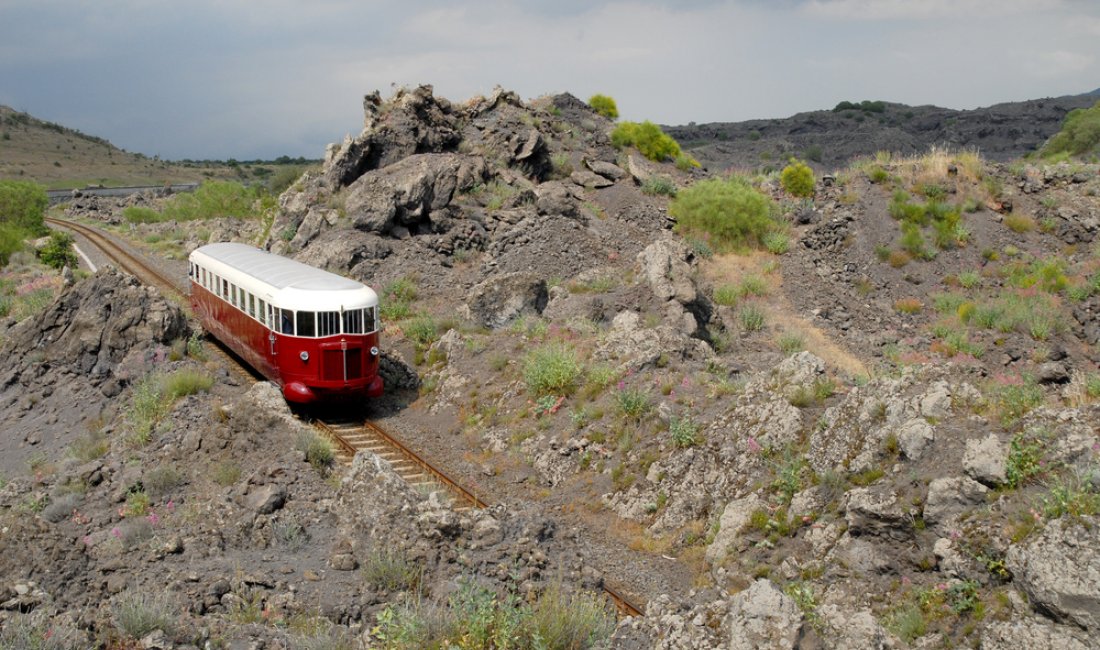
point(278, 271)
point(292, 284)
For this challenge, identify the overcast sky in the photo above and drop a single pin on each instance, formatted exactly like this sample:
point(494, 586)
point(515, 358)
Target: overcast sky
point(230, 78)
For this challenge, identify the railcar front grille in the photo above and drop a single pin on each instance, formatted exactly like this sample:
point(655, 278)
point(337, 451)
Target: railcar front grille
point(342, 365)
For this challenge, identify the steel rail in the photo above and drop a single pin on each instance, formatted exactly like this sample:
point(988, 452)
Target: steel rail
point(130, 262)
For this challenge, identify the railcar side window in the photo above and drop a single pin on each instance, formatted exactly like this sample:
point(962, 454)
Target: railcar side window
point(225, 289)
point(306, 325)
point(263, 312)
point(353, 321)
point(252, 305)
point(328, 323)
point(286, 320)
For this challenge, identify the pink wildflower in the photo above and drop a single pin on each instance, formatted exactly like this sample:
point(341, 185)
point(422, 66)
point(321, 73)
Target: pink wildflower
point(116, 532)
point(754, 446)
point(153, 518)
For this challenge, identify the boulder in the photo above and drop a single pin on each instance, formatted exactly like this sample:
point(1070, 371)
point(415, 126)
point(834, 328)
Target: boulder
point(267, 499)
point(762, 616)
point(500, 299)
point(914, 436)
point(666, 268)
point(410, 190)
point(949, 497)
point(986, 460)
point(585, 178)
point(876, 511)
point(607, 170)
point(1033, 633)
point(1059, 570)
point(734, 518)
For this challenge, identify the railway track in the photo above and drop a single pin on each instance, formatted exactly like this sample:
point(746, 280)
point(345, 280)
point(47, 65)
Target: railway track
point(349, 436)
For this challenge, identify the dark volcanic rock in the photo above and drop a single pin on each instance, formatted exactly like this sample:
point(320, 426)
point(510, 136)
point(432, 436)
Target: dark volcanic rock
point(830, 139)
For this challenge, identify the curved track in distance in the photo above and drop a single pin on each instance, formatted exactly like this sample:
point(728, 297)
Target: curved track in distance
point(349, 436)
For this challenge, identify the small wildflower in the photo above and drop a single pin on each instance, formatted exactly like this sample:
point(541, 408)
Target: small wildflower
point(153, 518)
point(754, 446)
point(116, 533)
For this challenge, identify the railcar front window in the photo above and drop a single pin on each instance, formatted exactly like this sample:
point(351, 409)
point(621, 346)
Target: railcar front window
point(306, 324)
point(353, 321)
point(328, 323)
point(371, 319)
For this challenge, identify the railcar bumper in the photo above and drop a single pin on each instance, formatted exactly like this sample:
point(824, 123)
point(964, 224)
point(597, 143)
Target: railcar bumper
point(298, 393)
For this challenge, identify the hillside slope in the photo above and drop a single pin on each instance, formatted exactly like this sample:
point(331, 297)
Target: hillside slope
point(62, 158)
point(831, 139)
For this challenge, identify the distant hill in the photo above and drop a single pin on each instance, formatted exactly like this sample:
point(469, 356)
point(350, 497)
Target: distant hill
point(61, 158)
point(832, 138)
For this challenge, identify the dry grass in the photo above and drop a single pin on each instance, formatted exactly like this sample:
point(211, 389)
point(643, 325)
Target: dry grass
point(931, 168)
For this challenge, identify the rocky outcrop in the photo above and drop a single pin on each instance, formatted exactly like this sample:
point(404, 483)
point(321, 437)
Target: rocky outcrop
point(1059, 570)
point(91, 328)
point(406, 193)
point(666, 266)
point(413, 121)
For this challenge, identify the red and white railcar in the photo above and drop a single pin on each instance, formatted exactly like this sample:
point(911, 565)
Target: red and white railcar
point(312, 332)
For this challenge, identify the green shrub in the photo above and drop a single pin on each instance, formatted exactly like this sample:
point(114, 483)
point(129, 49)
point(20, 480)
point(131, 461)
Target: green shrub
point(726, 294)
point(683, 431)
point(657, 184)
point(560, 620)
point(686, 163)
point(1025, 457)
point(391, 570)
point(776, 242)
point(140, 214)
point(23, 205)
point(36, 631)
point(219, 199)
point(605, 106)
point(648, 138)
point(12, 240)
point(421, 330)
point(551, 369)
point(1016, 399)
point(184, 382)
point(1080, 133)
point(136, 614)
point(797, 179)
point(732, 213)
point(317, 449)
point(1020, 223)
point(58, 251)
point(751, 318)
point(633, 402)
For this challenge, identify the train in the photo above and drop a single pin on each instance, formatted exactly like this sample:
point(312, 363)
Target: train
point(311, 332)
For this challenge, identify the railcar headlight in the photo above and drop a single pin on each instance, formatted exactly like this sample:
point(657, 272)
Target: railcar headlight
point(304, 355)
point(374, 351)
